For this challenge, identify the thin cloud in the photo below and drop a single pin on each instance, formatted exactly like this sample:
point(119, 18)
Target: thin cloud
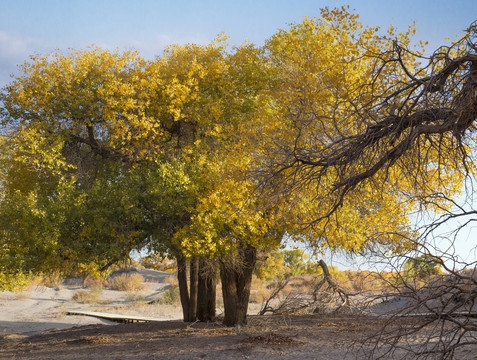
point(16, 47)
point(15, 50)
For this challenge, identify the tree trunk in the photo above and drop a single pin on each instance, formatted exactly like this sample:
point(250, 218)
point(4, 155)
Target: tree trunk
point(183, 288)
point(207, 290)
point(194, 284)
point(236, 278)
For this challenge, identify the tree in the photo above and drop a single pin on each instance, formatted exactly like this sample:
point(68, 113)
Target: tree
point(397, 120)
point(423, 266)
point(160, 133)
point(323, 67)
point(295, 261)
point(404, 133)
point(81, 123)
point(270, 265)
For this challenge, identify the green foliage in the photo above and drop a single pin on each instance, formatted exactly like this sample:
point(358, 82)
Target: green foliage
point(281, 264)
point(13, 281)
point(423, 266)
point(295, 261)
point(158, 262)
point(171, 296)
point(272, 267)
point(103, 152)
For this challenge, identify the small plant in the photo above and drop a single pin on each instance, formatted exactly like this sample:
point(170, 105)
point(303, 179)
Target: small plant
point(86, 297)
point(134, 297)
point(94, 283)
point(127, 282)
point(62, 311)
point(170, 297)
point(259, 292)
point(171, 280)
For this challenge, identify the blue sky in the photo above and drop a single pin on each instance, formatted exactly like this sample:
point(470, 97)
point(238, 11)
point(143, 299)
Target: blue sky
point(39, 26)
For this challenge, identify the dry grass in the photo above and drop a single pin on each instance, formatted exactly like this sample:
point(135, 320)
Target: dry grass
point(172, 280)
point(91, 296)
point(62, 311)
point(134, 297)
point(86, 297)
point(23, 295)
point(127, 282)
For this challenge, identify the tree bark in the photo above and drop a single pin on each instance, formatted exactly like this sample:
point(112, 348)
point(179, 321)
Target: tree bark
point(183, 288)
point(236, 278)
point(207, 290)
point(194, 284)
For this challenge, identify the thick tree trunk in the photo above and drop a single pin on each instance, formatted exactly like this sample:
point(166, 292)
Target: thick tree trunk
point(207, 290)
point(183, 288)
point(194, 284)
point(236, 279)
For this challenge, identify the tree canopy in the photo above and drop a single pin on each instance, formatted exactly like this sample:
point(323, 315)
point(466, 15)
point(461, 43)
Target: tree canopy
point(332, 133)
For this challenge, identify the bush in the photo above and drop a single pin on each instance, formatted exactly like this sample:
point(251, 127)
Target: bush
point(95, 285)
point(134, 297)
point(50, 280)
point(13, 281)
point(171, 280)
point(86, 297)
point(258, 296)
point(259, 292)
point(170, 297)
point(127, 282)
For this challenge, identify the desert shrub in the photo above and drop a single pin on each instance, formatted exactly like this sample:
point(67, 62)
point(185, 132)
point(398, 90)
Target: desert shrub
point(259, 292)
point(62, 311)
point(134, 297)
point(171, 280)
point(50, 280)
point(170, 297)
point(258, 296)
point(95, 285)
point(86, 297)
point(127, 282)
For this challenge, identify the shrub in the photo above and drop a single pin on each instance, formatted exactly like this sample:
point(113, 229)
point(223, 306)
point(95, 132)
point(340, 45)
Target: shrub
point(86, 297)
point(50, 280)
point(94, 283)
point(258, 296)
point(171, 280)
point(259, 292)
point(133, 297)
point(13, 281)
point(127, 282)
point(170, 297)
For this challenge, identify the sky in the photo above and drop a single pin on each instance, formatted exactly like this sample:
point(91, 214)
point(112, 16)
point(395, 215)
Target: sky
point(40, 26)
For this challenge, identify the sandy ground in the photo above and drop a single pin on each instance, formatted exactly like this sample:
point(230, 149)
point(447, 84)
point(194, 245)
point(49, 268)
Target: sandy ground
point(34, 325)
point(39, 308)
